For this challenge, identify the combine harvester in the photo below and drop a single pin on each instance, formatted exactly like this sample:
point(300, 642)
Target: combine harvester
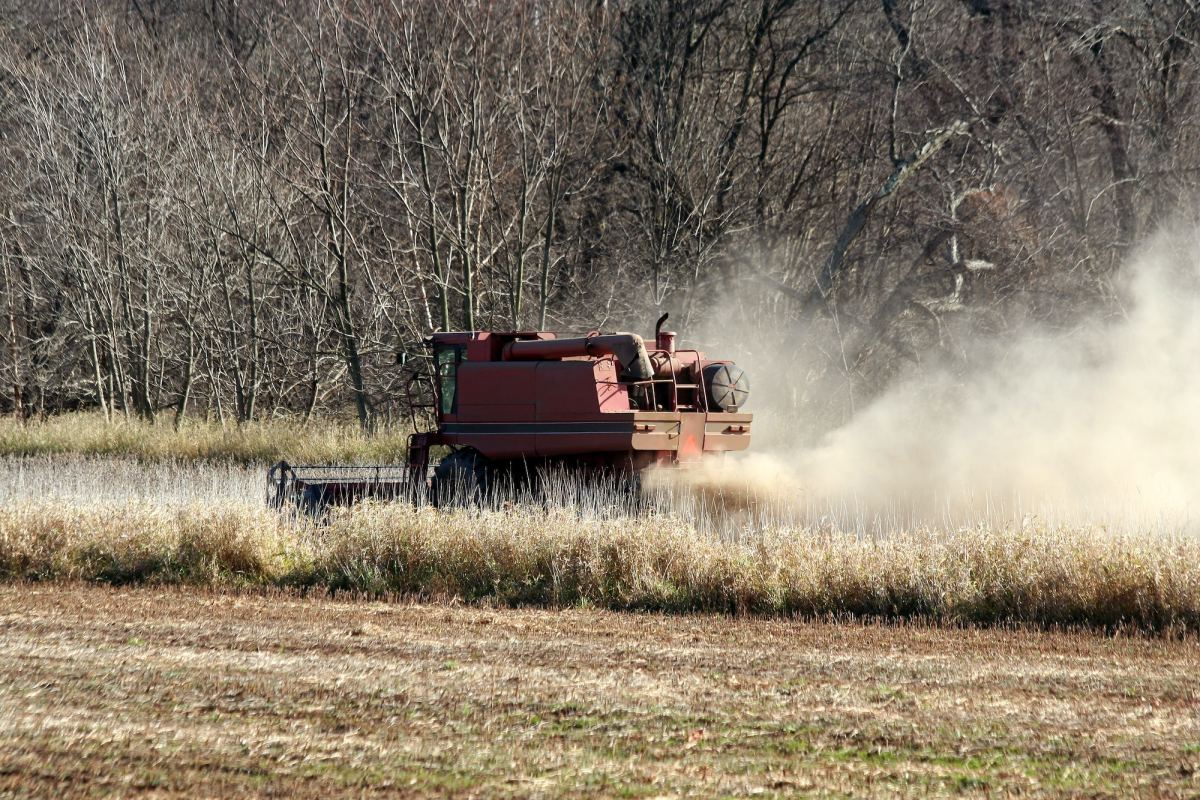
point(510, 406)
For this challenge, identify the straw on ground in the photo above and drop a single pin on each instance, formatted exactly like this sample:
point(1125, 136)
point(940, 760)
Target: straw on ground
point(184, 694)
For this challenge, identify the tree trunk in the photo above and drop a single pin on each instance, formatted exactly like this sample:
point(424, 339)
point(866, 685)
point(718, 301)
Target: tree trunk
point(902, 171)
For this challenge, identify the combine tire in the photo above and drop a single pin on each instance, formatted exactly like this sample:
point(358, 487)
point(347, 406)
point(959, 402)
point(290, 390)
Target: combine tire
point(462, 478)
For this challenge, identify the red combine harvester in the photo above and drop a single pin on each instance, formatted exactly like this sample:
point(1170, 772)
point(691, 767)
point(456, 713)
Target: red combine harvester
point(509, 405)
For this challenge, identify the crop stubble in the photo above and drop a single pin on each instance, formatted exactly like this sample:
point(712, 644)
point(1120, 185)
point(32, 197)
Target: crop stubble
point(171, 692)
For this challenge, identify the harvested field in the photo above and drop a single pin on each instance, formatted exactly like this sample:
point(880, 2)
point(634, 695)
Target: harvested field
point(163, 634)
point(106, 691)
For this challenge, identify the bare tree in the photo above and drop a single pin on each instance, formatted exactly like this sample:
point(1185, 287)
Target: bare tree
point(249, 208)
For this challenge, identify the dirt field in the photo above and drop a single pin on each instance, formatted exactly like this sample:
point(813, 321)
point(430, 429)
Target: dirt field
point(123, 692)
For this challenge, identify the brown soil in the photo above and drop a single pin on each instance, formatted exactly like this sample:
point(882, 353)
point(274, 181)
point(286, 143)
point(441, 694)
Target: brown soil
point(179, 692)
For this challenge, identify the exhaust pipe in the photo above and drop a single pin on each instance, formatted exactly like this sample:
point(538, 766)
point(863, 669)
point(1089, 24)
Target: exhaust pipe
point(664, 340)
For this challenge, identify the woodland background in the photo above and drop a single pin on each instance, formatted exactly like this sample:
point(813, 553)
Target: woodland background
point(247, 208)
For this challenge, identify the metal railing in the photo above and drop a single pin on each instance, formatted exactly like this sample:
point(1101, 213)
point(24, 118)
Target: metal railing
point(699, 396)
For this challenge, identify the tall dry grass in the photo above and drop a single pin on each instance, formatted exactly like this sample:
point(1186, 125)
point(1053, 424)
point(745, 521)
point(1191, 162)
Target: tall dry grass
point(89, 434)
point(693, 544)
point(556, 557)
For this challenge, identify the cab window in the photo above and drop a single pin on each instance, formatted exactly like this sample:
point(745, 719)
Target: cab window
point(448, 359)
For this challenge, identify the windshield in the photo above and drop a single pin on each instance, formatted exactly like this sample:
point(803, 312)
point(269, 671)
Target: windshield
point(448, 359)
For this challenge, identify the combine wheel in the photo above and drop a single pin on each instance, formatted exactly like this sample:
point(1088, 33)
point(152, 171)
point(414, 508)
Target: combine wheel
point(462, 478)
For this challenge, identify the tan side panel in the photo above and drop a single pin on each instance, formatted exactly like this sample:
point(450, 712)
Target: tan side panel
point(661, 433)
point(727, 432)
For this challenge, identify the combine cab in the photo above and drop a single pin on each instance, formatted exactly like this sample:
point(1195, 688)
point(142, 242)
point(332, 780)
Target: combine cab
point(509, 405)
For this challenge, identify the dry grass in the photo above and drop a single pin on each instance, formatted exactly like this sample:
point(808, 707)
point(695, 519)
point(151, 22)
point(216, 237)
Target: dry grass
point(232, 685)
point(558, 557)
point(258, 442)
point(235, 686)
point(162, 693)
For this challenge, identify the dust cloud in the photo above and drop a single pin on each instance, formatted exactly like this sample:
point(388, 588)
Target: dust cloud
point(1098, 426)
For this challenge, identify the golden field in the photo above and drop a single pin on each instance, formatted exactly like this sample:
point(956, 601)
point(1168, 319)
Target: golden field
point(559, 557)
point(197, 440)
point(162, 633)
